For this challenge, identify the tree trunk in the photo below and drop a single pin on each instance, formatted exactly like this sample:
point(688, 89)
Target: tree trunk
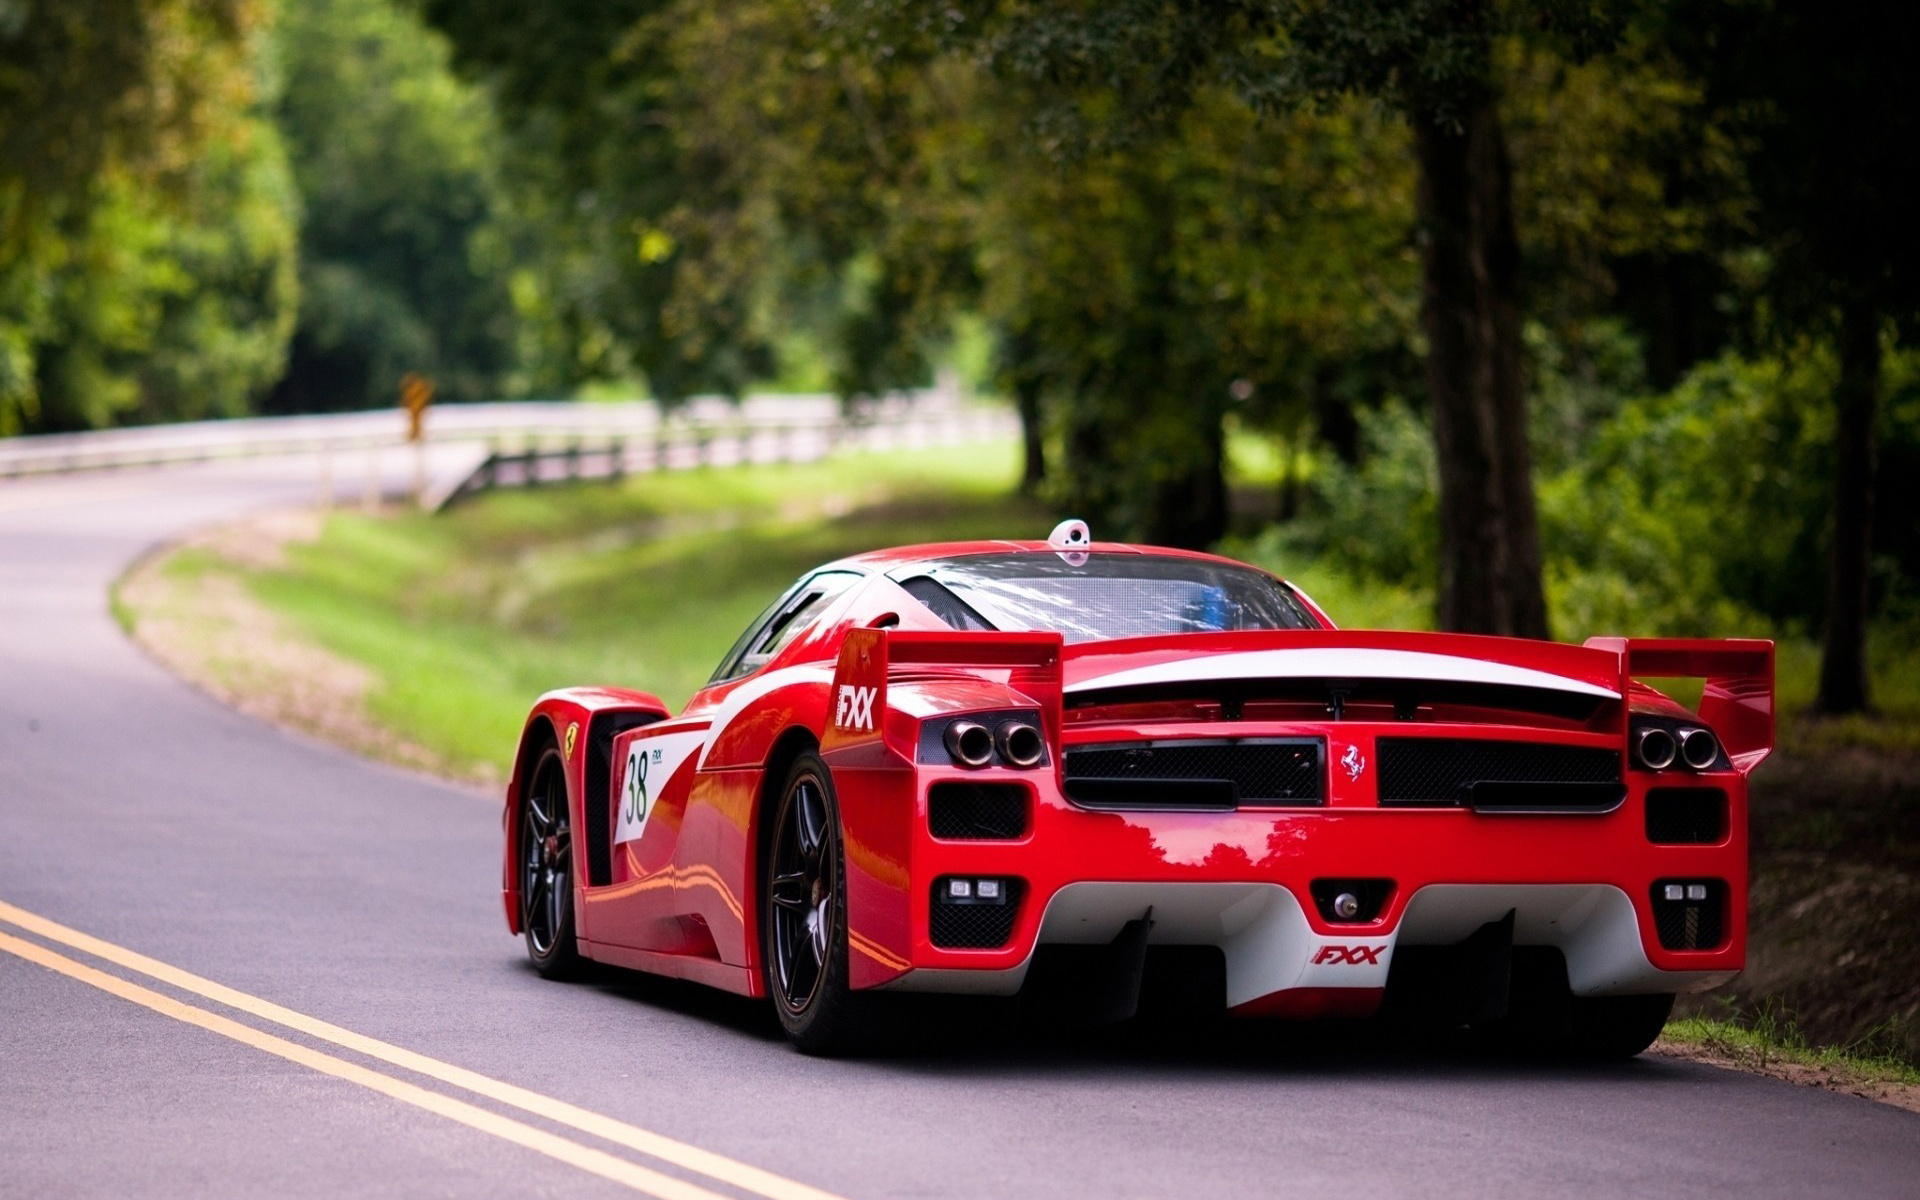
point(1087, 470)
point(1489, 534)
point(1020, 374)
point(1289, 479)
point(1033, 466)
point(1189, 503)
point(1843, 657)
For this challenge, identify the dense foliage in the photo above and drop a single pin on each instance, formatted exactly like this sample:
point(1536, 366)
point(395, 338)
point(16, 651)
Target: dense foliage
point(1568, 316)
point(1696, 511)
point(147, 222)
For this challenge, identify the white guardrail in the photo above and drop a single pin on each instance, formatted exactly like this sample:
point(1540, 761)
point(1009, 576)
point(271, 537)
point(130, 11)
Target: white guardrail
point(473, 447)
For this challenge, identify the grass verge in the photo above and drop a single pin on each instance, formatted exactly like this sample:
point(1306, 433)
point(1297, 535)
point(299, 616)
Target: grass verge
point(193, 609)
point(460, 620)
point(1768, 1043)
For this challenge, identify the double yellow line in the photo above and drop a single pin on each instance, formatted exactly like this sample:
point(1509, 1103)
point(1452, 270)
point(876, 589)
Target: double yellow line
point(715, 1167)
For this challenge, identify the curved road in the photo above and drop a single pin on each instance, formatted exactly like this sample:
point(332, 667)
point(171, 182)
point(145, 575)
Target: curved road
point(206, 851)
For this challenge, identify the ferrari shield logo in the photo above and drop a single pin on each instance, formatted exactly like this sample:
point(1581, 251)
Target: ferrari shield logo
point(573, 735)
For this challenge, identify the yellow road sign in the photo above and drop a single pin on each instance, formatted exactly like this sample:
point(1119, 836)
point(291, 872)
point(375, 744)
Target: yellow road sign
point(416, 392)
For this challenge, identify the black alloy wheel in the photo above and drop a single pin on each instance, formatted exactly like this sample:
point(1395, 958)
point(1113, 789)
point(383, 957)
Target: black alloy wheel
point(804, 917)
point(546, 869)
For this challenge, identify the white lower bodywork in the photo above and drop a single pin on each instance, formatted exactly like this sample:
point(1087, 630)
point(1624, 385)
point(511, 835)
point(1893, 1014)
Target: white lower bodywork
point(1593, 924)
point(1270, 947)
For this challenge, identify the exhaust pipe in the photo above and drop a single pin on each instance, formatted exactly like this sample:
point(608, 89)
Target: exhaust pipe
point(1020, 744)
point(969, 743)
point(1656, 749)
point(1699, 748)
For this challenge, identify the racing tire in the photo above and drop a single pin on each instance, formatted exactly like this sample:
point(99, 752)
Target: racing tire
point(803, 919)
point(545, 853)
point(1585, 1028)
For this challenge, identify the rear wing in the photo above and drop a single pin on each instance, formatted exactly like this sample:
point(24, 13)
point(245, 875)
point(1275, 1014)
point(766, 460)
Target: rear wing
point(870, 658)
point(1737, 701)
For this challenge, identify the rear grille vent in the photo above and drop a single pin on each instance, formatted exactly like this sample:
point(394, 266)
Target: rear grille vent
point(1217, 774)
point(1693, 923)
point(973, 924)
point(1511, 776)
point(977, 812)
point(1686, 816)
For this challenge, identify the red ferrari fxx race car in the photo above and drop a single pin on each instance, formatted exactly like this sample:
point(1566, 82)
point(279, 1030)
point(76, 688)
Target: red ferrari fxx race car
point(983, 768)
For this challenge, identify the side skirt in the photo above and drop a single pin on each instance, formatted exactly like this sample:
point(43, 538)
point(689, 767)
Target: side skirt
point(725, 976)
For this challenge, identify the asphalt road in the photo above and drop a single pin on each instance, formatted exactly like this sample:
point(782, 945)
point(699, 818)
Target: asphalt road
point(136, 811)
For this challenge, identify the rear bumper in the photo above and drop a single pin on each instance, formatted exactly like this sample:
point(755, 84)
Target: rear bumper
point(1583, 884)
point(1279, 963)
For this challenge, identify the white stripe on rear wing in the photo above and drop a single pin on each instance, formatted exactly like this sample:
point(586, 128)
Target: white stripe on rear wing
point(1335, 663)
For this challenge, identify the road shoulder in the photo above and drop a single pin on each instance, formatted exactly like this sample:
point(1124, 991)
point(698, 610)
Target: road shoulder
point(1837, 1076)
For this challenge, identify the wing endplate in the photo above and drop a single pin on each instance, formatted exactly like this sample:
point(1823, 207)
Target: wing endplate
point(1738, 699)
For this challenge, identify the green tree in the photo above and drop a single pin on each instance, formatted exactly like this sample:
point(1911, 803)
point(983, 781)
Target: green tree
point(587, 87)
point(146, 218)
point(1122, 66)
point(406, 257)
point(155, 314)
point(87, 86)
point(1227, 264)
point(1133, 290)
point(1827, 100)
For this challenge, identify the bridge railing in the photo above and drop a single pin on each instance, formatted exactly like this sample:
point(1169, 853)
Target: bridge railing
point(506, 427)
point(548, 458)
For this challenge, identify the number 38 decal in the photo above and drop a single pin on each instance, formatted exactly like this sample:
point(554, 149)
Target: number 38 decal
point(636, 810)
point(651, 764)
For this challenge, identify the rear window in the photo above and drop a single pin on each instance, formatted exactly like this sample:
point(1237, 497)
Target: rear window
point(1090, 597)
